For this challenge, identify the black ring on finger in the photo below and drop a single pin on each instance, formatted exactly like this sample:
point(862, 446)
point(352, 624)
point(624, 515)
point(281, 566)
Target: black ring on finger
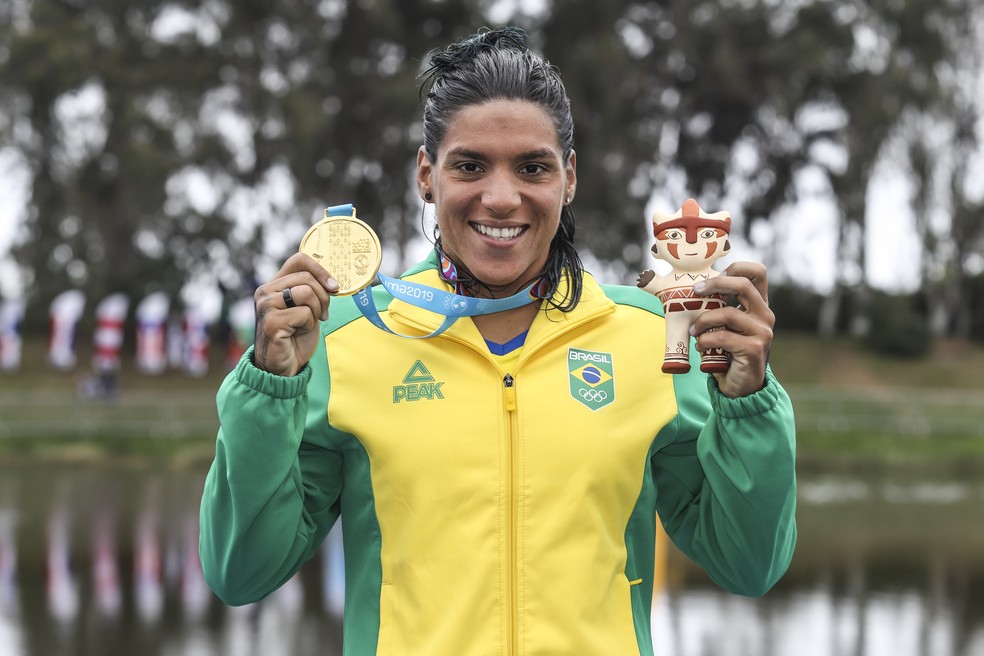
point(288, 299)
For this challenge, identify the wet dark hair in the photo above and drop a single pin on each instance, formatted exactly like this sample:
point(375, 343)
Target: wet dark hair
point(497, 64)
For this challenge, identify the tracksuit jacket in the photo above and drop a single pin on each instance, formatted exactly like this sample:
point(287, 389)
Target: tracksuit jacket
point(492, 512)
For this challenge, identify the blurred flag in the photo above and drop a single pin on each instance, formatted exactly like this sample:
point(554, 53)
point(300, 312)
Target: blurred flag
point(63, 319)
point(9, 594)
point(334, 571)
point(11, 314)
point(108, 336)
point(195, 351)
point(62, 586)
point(105, 567)
point(175, 341)
point(151, 333)
point(242, 323)
point(147, 571)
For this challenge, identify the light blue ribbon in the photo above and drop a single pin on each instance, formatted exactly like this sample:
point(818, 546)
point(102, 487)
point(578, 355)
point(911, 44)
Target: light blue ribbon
point(450, 306)
point(340, 210)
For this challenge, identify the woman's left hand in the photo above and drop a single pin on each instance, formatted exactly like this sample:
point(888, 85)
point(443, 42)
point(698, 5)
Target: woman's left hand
point(744, 331)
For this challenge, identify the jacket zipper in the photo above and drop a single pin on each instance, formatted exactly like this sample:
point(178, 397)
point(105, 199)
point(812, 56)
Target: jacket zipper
point(509, 386)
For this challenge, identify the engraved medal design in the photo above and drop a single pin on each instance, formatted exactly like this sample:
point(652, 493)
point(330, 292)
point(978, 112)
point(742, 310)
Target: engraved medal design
point(347, 248)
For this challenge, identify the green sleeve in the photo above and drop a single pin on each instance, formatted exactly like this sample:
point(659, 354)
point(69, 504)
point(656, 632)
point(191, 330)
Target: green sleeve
point(726, 482)
point(271, 495)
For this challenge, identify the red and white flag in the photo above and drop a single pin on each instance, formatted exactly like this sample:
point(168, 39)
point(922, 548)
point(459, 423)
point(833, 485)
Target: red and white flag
point(242, 324)
point(63, 320)
point(11, 315)
point(152, 333)
point(196, 342)
point(108, 336)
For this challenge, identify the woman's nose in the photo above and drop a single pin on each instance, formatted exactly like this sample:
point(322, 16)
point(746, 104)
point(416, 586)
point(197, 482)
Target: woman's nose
point(501, 195)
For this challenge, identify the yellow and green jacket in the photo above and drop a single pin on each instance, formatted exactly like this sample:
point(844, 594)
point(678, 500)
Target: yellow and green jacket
point(489, 511)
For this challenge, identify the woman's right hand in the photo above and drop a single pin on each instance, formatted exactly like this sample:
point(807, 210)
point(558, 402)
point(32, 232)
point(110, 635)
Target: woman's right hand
point(286, 337)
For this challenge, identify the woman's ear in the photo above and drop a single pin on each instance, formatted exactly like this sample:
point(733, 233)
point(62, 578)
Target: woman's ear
point(425, 171)
point(571, 177)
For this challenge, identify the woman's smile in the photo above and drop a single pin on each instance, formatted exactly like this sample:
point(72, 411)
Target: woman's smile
point(500, 233)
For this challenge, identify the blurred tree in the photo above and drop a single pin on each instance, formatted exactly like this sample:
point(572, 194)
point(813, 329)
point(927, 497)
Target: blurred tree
point(891, 74)
point(82, 85)
point(178, 138)
point(899, 326)
point(168, 139)
point(725, 100)
point(944, 148)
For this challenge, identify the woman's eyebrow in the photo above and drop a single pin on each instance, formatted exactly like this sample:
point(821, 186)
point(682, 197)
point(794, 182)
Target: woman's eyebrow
point(537, 153)
point(465, 153)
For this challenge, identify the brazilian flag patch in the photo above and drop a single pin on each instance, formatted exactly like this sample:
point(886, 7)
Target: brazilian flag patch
point(592, 377)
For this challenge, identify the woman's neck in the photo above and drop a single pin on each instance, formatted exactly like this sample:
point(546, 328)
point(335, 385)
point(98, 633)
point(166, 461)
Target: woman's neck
point(501, 327)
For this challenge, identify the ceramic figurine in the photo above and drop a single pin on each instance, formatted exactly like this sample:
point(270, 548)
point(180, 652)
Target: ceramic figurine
point(690, 241)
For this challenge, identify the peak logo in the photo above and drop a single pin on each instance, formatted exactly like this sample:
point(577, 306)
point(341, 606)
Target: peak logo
point(418, 385)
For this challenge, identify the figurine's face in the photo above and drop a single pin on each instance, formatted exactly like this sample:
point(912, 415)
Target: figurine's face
point(693, 249)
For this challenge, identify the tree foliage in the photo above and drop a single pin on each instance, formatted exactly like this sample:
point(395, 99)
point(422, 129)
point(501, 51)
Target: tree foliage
point(168, 139)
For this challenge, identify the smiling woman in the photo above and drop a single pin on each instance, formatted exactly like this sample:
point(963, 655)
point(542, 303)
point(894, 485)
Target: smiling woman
point(499, 476)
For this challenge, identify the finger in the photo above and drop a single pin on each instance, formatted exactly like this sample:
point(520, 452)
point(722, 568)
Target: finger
point(744, 290)
point(756, 273)
point(308, 296)
point(733, 319)
point(749, 355)
point(738, 331)
point(305, 290)
point(303, 263)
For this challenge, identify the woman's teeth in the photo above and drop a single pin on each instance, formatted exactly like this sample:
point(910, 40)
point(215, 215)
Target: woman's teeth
point(499, 233)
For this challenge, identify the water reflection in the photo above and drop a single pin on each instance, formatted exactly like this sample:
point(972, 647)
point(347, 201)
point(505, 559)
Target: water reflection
point(97, 560)
point(103, 560)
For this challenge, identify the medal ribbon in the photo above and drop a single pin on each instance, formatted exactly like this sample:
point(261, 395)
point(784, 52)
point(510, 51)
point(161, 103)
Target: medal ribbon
point(450, 306)
point(341, 210)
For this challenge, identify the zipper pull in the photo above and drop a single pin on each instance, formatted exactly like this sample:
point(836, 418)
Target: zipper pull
point(510, 385)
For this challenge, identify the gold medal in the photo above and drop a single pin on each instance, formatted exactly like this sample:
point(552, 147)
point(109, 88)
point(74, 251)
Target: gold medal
point(347, 248)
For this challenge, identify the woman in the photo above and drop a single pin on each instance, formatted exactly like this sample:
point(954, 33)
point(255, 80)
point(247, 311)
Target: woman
point(499, 483)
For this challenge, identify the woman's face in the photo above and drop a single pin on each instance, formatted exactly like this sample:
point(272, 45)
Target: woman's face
point(498, 185)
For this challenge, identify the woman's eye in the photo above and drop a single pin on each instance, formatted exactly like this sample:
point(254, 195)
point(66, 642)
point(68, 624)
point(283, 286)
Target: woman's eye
point(533, 169)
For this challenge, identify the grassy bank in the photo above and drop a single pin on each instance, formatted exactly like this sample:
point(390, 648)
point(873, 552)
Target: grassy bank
point(859, 410)
point(801, 359)
point(854, 409)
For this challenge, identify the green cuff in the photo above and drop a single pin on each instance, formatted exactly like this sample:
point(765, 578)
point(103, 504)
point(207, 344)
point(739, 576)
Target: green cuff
point(758, 403)
point(278, 387)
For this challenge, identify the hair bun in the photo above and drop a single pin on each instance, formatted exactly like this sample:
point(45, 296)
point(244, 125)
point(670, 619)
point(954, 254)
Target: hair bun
point(450, 58)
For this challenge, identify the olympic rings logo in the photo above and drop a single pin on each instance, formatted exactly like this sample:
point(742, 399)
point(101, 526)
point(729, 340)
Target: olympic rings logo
point(592, 395)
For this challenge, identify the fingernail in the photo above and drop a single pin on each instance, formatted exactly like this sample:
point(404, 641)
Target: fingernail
point(692, 330)
point(331, 285)
point(699, 286)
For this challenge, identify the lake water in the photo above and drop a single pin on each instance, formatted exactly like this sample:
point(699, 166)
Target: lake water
point(98, 560)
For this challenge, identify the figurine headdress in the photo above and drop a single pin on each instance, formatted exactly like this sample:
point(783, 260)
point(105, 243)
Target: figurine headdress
point(691, 218)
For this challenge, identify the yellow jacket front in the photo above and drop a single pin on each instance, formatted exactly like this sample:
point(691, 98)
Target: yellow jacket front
point(497, 512)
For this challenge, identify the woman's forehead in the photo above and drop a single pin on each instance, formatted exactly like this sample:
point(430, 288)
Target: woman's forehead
point(514, 123)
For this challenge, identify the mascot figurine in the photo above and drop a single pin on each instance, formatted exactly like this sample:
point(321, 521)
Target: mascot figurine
point(690, 241)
